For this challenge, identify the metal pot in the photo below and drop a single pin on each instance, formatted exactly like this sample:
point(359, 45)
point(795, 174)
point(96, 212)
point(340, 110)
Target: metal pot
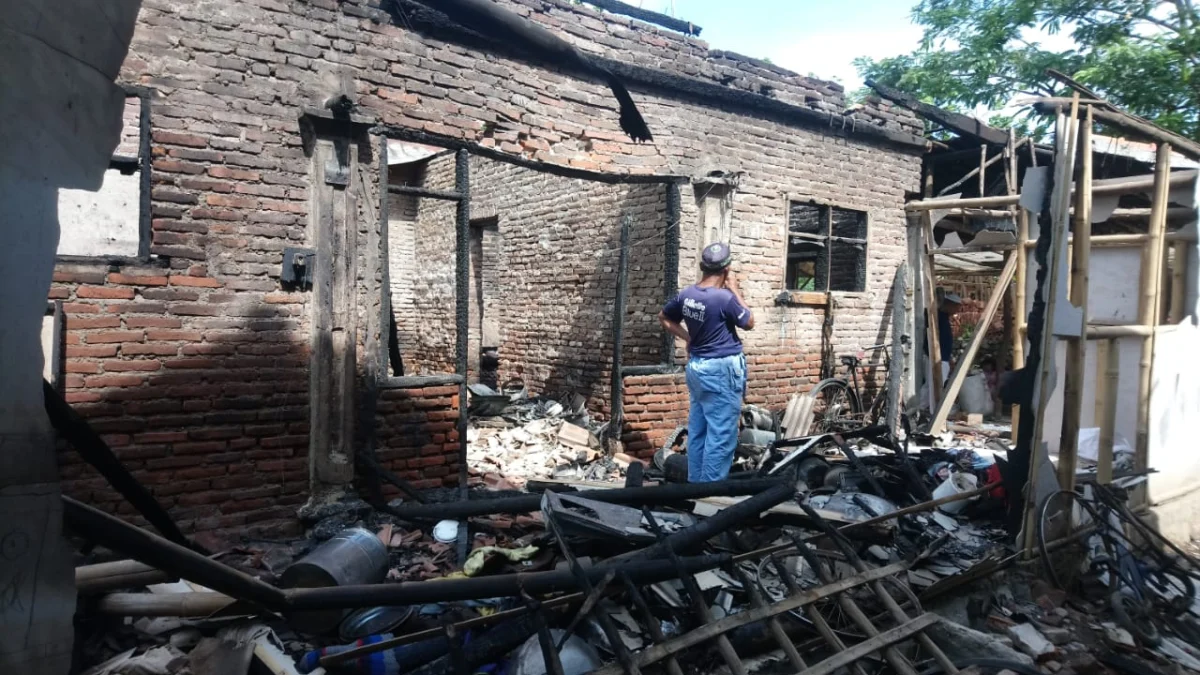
point(356, 556)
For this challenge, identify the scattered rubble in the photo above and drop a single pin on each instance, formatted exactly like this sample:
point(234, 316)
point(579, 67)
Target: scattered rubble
point(526, 439)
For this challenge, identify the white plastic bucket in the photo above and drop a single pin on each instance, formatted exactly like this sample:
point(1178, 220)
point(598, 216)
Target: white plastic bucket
point(957, 483)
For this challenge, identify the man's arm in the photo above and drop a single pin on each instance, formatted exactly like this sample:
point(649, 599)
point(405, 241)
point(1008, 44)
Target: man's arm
point(674, 328)
point(731, 284)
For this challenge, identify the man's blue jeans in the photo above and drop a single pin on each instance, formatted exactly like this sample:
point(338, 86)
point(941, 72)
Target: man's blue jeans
point(715, 388)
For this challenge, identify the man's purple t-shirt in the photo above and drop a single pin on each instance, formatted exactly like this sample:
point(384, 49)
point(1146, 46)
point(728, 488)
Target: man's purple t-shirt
point(710, 315)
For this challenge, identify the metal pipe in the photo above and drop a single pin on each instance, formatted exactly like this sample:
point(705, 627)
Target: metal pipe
point(727, 518)
point(172, 558)
point(651, 496)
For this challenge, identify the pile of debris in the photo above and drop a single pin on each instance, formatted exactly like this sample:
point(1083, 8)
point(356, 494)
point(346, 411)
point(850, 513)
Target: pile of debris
point(514, 438)
point(605, 581)
point(823, 558)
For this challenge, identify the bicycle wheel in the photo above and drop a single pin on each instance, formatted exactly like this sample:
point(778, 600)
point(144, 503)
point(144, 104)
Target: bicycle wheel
point(1063, 527)
point(1135, 615)
point(1170, 589)
point(835, 408)
point(1165, 551)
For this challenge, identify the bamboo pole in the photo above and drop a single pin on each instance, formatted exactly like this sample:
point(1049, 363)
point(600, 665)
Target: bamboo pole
point(970, 174)
point(1101, 380)
point(1151, 280)
point(1178, 282)
point(1107, 419)
point(1060, 205)
point(1068, 444)
point(1020, 305)
point(1095, 332)
point(983, 164)
point(931, 314)
point(196, 604)
point(971, 202)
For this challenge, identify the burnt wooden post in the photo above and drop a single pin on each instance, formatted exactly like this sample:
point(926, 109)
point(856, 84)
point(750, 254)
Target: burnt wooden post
point(617, 387)
point(462, 290)
point(335, 327)
point(671, 263)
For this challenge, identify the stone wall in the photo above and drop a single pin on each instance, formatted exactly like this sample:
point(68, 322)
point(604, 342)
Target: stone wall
point(194, 363)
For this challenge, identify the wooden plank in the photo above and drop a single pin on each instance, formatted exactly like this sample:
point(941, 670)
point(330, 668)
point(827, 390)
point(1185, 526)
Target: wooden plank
point(709, 631)
point(1107, 419)
point(871, 645)
point(1101, 381)
point(964, 363)
point(1068, 444)
point(334, 331)
point(1148, 304)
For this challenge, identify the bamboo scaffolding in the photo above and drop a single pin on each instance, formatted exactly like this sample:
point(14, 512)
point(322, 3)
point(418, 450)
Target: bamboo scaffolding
point(1148, 306)
point(1107, 417)
point(1068, 445)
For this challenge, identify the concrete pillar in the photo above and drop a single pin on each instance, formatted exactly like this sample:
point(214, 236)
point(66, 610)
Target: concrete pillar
point(62, 119)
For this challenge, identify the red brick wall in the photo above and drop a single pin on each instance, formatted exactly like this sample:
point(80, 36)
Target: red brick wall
point(204, 399)
point(655, 405)
point(416, 435)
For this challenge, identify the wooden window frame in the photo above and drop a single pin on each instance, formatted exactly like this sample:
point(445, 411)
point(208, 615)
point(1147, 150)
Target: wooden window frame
point(821, 297)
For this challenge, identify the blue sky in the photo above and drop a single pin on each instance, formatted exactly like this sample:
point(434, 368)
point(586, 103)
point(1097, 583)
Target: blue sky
point(821, 37)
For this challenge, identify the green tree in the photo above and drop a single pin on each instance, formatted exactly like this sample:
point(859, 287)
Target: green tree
point(1142, 55)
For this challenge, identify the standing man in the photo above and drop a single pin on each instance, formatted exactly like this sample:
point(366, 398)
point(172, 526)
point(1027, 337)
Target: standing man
point(951, 304)
point(706, 316)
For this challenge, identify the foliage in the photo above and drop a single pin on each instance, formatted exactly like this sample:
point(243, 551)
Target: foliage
point(1142, 55)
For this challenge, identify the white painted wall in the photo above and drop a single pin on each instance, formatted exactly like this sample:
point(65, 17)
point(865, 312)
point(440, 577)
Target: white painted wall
point(104, 222)
point(1112, 299)
point(1175, 385)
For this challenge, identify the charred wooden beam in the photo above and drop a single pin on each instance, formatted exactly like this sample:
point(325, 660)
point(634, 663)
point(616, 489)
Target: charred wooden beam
point(959, 123)
point(92, 448)
point(656, 18)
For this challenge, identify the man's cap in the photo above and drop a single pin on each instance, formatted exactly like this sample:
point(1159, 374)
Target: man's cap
point(716, 257)
point(953, 297)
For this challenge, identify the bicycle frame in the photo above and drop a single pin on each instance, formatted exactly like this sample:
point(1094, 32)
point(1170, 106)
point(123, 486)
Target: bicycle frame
point(887, 366)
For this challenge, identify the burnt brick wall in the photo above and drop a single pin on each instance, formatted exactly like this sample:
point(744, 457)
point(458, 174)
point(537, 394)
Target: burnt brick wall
point(194, 364)
point(654, 405)
point(417, 437)
point(553, 297)
point(549, 275)
point(430, 324)
point(402, 272)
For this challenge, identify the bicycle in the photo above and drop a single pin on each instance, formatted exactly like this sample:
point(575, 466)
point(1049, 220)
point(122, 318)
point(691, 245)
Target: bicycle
point(1086, 538)
point(838, 403)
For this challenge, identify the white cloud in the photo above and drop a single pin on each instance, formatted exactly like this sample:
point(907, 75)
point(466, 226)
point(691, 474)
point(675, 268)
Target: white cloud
point(830, 55)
